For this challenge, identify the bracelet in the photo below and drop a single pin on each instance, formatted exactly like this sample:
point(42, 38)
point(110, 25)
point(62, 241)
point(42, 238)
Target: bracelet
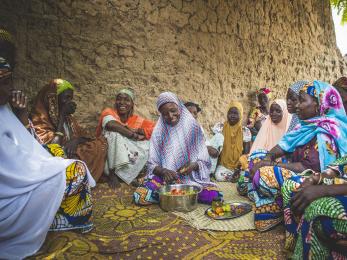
point(59, 134)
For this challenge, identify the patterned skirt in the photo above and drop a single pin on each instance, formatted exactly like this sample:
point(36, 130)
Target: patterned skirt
point(265, 191)
point(326, 217)
point(75, 210)
point(148, 193)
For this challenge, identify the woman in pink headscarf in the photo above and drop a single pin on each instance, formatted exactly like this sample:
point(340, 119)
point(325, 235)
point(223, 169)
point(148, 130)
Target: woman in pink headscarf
point(274, 127)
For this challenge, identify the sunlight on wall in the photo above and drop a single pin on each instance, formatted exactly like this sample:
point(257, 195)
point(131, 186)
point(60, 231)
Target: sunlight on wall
point(341, 32)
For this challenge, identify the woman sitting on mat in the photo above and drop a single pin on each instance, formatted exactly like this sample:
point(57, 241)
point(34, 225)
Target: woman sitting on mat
point(320, 139)
point(177, 154)
point(38, 192)
point(127, 135)
point(236, 143)
point(273, 129)
point(54, 123)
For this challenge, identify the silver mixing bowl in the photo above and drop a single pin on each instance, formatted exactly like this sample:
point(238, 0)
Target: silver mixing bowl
point(179, 202)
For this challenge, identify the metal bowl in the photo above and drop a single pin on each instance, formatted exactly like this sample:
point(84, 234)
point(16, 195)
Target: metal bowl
point(183, 203)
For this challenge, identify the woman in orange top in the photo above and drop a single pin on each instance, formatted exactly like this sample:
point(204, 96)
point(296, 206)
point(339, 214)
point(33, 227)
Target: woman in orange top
point(127, 136)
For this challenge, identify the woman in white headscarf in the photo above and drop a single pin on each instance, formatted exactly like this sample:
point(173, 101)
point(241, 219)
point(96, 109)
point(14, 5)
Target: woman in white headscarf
point(38, 192)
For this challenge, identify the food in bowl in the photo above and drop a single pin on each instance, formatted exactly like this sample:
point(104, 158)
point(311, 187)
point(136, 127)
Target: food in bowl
point(177, 192)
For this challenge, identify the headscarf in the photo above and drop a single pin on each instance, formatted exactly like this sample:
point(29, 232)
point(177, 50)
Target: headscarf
point(266, 91)
point(329, 127)
point(233, 140)
point(270, 133)
point(172, 147)
point(62, 85)
point(296, 87)
point(128, 91)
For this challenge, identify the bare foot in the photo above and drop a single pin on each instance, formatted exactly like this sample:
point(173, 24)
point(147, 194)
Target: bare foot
point(113, 181)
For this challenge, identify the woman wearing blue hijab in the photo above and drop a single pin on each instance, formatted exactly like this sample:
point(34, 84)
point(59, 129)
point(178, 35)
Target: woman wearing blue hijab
point(317, 142)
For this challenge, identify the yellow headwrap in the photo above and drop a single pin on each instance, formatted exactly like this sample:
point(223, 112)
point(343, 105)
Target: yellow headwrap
point(233, 140)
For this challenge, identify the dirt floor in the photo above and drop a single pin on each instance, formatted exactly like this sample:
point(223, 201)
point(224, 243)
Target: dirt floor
point(125, 231)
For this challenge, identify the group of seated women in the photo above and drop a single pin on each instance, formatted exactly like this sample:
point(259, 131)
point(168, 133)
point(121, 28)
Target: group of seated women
point(289, 159)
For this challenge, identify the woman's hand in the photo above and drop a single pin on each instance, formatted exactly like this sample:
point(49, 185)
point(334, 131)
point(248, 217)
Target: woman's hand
point(140, 131)
point(136, 136)
point(312, 180)
point(19, 100)
point(168, 175)
point(188, 168)
point(19, 104)
point(305, 196)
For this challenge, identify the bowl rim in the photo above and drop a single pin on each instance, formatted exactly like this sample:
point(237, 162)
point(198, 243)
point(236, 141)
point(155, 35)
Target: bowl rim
point(160, 191)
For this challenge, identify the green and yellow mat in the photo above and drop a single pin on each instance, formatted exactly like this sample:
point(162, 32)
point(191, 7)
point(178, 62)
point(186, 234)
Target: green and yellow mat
point(125, 231)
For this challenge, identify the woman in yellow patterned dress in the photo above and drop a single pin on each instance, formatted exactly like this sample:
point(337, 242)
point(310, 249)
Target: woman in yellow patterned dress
point(76, 207)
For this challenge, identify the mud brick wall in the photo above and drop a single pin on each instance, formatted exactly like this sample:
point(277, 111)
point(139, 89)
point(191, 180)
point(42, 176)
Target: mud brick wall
point(206, 51)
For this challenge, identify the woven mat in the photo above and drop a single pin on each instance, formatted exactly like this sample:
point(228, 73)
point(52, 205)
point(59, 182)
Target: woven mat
point(125, 231)
point(199, 220)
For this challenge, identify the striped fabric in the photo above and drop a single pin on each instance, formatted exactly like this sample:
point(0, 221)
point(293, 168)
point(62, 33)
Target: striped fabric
point(172, 147)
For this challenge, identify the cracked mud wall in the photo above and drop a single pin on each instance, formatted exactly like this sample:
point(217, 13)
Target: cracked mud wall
point(206, 51)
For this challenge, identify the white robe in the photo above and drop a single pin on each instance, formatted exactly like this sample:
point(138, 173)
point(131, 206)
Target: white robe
point(32, 185)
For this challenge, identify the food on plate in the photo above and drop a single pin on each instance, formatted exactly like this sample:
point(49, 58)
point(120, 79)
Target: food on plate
point(226, 209)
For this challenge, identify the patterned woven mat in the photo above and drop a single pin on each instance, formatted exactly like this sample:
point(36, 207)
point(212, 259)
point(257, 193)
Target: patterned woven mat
point(199, 220)
point(125, 231)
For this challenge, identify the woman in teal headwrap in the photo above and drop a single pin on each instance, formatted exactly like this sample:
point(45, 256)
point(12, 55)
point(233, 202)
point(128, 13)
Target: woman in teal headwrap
point(320, 140)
